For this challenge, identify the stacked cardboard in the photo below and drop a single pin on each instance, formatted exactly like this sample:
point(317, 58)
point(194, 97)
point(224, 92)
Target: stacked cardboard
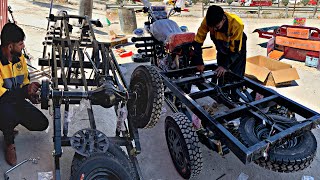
point(270, 72)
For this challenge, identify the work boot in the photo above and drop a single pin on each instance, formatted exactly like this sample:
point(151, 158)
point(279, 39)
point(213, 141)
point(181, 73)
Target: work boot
point(11, 156)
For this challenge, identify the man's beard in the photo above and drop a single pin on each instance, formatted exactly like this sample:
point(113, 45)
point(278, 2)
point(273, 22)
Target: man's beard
point(16, 54)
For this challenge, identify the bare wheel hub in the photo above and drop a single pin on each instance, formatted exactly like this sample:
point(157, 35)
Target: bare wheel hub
point(88, 141)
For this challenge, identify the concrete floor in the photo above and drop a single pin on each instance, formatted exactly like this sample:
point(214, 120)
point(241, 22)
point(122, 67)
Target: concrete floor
point(154, 160)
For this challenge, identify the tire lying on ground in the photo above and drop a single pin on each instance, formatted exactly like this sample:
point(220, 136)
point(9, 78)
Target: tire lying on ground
point(145, 111)
point(293, 155)
point(183, 144)
point(114, 164)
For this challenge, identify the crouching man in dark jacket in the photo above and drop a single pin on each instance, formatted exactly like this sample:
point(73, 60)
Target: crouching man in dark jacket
point(15, 88)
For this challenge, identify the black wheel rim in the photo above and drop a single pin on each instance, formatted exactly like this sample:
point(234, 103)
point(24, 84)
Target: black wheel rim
point(101, 174)
point(176, 149)
point(141, 89)
point(89, 141)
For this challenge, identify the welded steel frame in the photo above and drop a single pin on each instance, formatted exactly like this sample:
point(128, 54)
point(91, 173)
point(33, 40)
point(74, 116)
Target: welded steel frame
point(67, 60)
point(176, 80)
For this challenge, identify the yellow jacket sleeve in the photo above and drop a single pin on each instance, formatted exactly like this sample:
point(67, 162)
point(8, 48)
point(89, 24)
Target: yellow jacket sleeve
point(202, 32)
point(2, 89)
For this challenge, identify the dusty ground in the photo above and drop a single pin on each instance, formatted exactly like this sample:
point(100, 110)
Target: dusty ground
point(154, 160)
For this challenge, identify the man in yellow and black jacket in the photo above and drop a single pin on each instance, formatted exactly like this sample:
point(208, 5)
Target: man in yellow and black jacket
point(226, 32)
point(15, 88)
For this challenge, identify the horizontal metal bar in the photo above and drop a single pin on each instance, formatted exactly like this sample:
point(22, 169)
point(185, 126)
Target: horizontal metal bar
point(233, 113)
point(226, 137)
point(78, 82)
point(203, 93)
point(144, 45)
point(187, 71)
point(145, 50)
point(282, 100)
point(121, 141)
point(210, 90)
point(136, 39)
point(77, 95)
point(196, 78)
point(115, 6)
point(75, 64)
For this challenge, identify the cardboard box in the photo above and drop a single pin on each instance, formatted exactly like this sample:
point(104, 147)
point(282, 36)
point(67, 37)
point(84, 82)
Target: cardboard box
point(209, 53)
point(270, 72)
point(275, 54)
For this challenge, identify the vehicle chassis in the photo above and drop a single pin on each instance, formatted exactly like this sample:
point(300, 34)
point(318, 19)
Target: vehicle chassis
point(69, 62)
point(214, 133)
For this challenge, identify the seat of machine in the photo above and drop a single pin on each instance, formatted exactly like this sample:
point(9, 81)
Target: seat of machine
point(177, 39)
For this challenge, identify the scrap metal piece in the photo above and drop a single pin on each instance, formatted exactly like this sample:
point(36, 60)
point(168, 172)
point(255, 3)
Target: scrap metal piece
point(33, 160)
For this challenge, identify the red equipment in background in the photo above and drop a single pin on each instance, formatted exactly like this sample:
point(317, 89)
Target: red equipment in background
point(296, 42)
point(3, 13)
point(313, 2)
point(261, 3)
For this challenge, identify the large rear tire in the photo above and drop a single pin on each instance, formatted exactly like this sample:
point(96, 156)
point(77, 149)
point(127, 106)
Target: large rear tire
point(294, 154)
point(113, 150)
point(98, 166)
point(183, 144)
point(145, 110)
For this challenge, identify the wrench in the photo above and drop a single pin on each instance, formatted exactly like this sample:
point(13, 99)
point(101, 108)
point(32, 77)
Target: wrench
point(34, 161)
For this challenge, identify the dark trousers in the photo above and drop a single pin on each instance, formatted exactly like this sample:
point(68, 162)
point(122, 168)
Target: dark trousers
point(24, 113)
point(236, 65)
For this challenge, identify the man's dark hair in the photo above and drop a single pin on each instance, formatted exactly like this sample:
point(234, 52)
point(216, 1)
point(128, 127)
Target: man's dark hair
point(214, 15)
point(11, 33)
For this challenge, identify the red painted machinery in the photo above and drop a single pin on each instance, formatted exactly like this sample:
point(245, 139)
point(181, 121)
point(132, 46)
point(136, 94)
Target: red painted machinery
point(296, 42)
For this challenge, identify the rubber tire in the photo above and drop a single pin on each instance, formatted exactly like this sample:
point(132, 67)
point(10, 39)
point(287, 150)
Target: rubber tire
point(150, 101)
point(115, 151)
point(190, 145)
point(86, 165)
point(286, 160)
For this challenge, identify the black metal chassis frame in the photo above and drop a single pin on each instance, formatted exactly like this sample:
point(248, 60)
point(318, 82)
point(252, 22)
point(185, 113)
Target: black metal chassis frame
point(108, 63)
point(175, 79)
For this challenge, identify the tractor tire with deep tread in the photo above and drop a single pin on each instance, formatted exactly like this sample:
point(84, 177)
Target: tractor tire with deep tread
point(147, 83)
point(183, 144)
point(117, 152)
point(296, 156)
point(99, 165)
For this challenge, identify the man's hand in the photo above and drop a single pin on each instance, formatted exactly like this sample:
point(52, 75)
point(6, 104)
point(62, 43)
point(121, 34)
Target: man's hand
point(220, 71)
point(200, 68)
point(33, 88)
point(33, 96)
point(34, 99)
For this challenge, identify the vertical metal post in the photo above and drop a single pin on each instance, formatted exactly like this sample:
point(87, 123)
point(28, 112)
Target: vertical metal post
point(57, 137)
point(202, 8)
point(85, 8)
point(315, 9)
point(294, 7)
